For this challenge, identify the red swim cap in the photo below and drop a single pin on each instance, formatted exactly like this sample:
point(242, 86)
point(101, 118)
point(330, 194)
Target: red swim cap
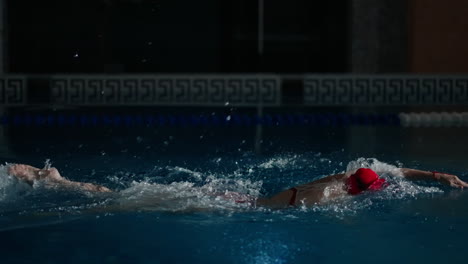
point(364, 179)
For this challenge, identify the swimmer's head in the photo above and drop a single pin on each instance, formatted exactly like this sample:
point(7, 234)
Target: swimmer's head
point(364, 179)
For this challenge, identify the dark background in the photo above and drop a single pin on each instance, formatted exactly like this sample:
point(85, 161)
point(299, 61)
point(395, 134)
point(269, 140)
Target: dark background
point(300, 36)
point(95, 36)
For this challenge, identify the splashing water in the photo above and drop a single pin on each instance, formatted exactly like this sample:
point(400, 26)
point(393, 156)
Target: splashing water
point(380, 167)
point(181, 189)
point(279, 162)
point(47, 164)
point(11, 188)
point(169, 206)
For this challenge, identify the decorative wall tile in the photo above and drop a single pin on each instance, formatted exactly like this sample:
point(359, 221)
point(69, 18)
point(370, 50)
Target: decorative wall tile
point(12, 91)
point(166, 90)
point(385, 90)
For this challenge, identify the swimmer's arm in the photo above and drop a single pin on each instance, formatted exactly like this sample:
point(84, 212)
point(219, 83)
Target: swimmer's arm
point(51, 177)
point(417, 175)
point(444, 178)
point(81, 186)
point(330, 178)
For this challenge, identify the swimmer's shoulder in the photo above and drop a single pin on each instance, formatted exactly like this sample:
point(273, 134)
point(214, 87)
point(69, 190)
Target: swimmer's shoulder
point(336, 179)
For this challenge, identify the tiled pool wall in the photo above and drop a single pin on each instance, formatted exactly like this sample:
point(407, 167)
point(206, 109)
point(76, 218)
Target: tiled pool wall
point(245, 112)
point(249, 90)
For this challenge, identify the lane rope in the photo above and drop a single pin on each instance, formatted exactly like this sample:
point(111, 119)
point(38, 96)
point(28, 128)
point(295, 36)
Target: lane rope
point(433, 119)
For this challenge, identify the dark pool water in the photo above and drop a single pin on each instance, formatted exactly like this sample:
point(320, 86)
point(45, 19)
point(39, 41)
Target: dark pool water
point(160, 212)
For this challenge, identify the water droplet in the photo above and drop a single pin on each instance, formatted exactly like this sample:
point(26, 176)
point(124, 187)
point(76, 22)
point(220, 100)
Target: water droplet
point(47, 164)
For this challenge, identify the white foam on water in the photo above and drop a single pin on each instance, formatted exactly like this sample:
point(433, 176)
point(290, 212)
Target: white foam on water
point(215, 194)
point(47, 164)
point(279, 162)
point(194, 174)
point(382, 168)
point(10, 187)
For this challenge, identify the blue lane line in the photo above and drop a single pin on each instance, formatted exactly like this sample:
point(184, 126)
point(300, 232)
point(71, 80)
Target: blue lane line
point(212, 120)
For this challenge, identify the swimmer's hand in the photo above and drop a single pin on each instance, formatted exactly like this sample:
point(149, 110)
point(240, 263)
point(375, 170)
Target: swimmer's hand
point(23, 172)
point(29, 174)
point(451, 180)
point(444, 178)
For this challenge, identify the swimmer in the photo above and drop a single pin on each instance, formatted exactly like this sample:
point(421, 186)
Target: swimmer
point(315, 192)
point(339, 185)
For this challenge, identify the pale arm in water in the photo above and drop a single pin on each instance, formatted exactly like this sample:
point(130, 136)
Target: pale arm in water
point(51, 177)
point(444, 178)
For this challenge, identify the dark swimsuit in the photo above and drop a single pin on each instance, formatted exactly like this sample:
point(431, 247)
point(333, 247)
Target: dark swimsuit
point(292, 202)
